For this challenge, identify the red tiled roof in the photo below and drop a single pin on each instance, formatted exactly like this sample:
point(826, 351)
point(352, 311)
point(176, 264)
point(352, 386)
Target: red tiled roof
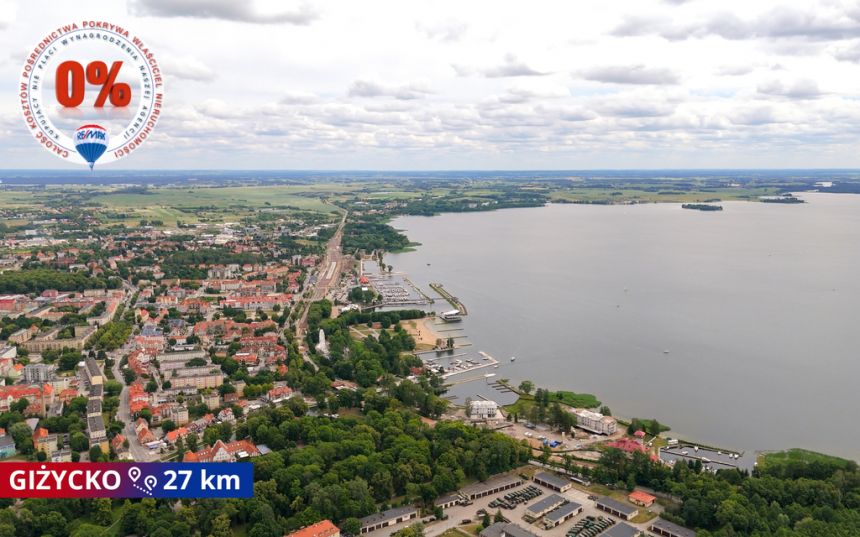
point(323, 528)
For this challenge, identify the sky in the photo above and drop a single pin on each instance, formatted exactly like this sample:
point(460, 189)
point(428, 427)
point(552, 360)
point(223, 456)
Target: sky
point(438, 84)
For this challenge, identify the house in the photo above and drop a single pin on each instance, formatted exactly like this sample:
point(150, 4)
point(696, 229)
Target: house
point(7, 446)
point(176, 434)
point(387, 518)
point(118, 445)
point(226, 415)
point(44, 441)
point(641, 498)
point(224, 452)
point(483, 410)
point(279, 394)
point(324, 528)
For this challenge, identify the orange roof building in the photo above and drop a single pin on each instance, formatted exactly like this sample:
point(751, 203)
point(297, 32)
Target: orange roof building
point(639, 497)
point(324, 528)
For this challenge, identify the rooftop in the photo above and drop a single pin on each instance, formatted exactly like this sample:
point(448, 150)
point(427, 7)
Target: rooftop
point(386, 515)
point(615, 505)
point(621, 530)
point(563, 511)
point(665, 525)
point(552, 479)
point(324, 528)
point(545, 503)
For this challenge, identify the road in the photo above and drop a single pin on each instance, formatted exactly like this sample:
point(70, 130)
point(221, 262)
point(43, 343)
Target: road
point(138, 451)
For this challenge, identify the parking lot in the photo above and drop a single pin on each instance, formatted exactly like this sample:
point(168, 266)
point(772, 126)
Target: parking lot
point(459, 513)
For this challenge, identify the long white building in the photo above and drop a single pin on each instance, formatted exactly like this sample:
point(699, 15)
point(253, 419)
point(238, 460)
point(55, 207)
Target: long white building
point(595, 421)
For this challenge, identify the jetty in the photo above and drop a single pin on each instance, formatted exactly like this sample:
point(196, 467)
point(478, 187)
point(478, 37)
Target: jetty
point(454, 301)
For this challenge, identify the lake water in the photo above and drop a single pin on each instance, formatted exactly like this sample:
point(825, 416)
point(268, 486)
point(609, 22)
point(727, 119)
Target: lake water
point(758, 306)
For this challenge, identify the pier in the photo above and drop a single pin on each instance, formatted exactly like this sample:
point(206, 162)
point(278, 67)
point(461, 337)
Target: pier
point(454, 301)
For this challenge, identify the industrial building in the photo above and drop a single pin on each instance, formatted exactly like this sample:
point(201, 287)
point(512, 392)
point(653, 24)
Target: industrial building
point(542, 507)
point(387, 518)
point(561, 514)
point(491, 486)
point(616, 508)
point(669, 529)
point(553, 481)
point(621, 530)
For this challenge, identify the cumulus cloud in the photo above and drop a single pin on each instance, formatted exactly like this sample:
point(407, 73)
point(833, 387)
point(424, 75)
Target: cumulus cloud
point(630, 74)
point(448, 30)
point(849, 53)
point(187, 68)
point(230, 10)
point(512, 67)
point(799, 89)
point(779, 22)
point(366, 88)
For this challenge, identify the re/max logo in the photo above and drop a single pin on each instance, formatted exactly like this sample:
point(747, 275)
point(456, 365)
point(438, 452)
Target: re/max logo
point(91, 135)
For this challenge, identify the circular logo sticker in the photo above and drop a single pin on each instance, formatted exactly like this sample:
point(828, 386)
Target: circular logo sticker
point(91, 92)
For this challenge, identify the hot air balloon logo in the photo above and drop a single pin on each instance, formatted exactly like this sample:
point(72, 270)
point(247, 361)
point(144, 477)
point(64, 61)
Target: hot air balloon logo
point(91, 142)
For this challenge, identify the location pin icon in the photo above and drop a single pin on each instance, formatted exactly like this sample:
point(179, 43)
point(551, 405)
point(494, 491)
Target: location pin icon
point(134, 474)
point(149, 482)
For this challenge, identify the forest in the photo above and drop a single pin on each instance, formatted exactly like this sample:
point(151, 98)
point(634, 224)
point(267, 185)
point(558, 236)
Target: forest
point(39, 279)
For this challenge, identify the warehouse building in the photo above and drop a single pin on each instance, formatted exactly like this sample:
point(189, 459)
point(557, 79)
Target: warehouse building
point(669, 529)
point(616, 508)
point(491, 486)
point(561, 514)
point(621, 530)
point(553, 481)
point(542, 507)
point(387, 518)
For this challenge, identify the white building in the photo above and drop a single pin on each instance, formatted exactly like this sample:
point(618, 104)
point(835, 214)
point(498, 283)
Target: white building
point(483, 410)
point(595, 421)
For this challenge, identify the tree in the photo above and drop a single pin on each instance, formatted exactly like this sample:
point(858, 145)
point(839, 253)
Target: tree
point(103, 511)
point(221, 527)
point(527, 386)
point(96, 454)
point(485, 521)
point(23, 437)
point(605, 410)
point(351, 526)
point(151, 386)
point(79, 442)
point(167, 426)
point(498, 517)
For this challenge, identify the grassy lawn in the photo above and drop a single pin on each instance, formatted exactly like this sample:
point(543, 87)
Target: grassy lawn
point(455, 532)
point(643, 516)
point(579, 400)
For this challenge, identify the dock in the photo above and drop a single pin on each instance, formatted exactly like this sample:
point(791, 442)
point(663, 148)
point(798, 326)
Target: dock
point(454, 301)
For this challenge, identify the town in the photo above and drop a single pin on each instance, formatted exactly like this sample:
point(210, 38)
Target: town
point(284, 338)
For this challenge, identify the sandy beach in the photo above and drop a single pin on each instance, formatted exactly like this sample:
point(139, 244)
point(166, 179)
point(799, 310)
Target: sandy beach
point(423, 331)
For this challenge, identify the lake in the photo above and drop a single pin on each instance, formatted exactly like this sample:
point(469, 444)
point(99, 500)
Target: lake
point(757, 305)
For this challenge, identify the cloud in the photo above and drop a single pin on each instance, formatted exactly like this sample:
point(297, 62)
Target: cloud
point(230, 10)
point(800, 89)
point(630, 74)
point(757, 115)
point(297, 97)
point(365, 88)
point(777, 23)
point(447, 30)
point(848, 54)
point(512, 67)
point(636, 108)
point(187, 68)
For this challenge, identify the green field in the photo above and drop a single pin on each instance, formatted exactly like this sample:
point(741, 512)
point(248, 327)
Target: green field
point(624, 195)
point(802, 456)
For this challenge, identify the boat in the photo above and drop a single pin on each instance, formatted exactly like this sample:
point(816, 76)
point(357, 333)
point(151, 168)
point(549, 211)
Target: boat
point(666, 351)
point(513, 358)
point(452, 316)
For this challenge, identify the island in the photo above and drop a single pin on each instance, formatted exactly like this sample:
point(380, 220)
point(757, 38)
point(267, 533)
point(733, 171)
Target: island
point(702, 207)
